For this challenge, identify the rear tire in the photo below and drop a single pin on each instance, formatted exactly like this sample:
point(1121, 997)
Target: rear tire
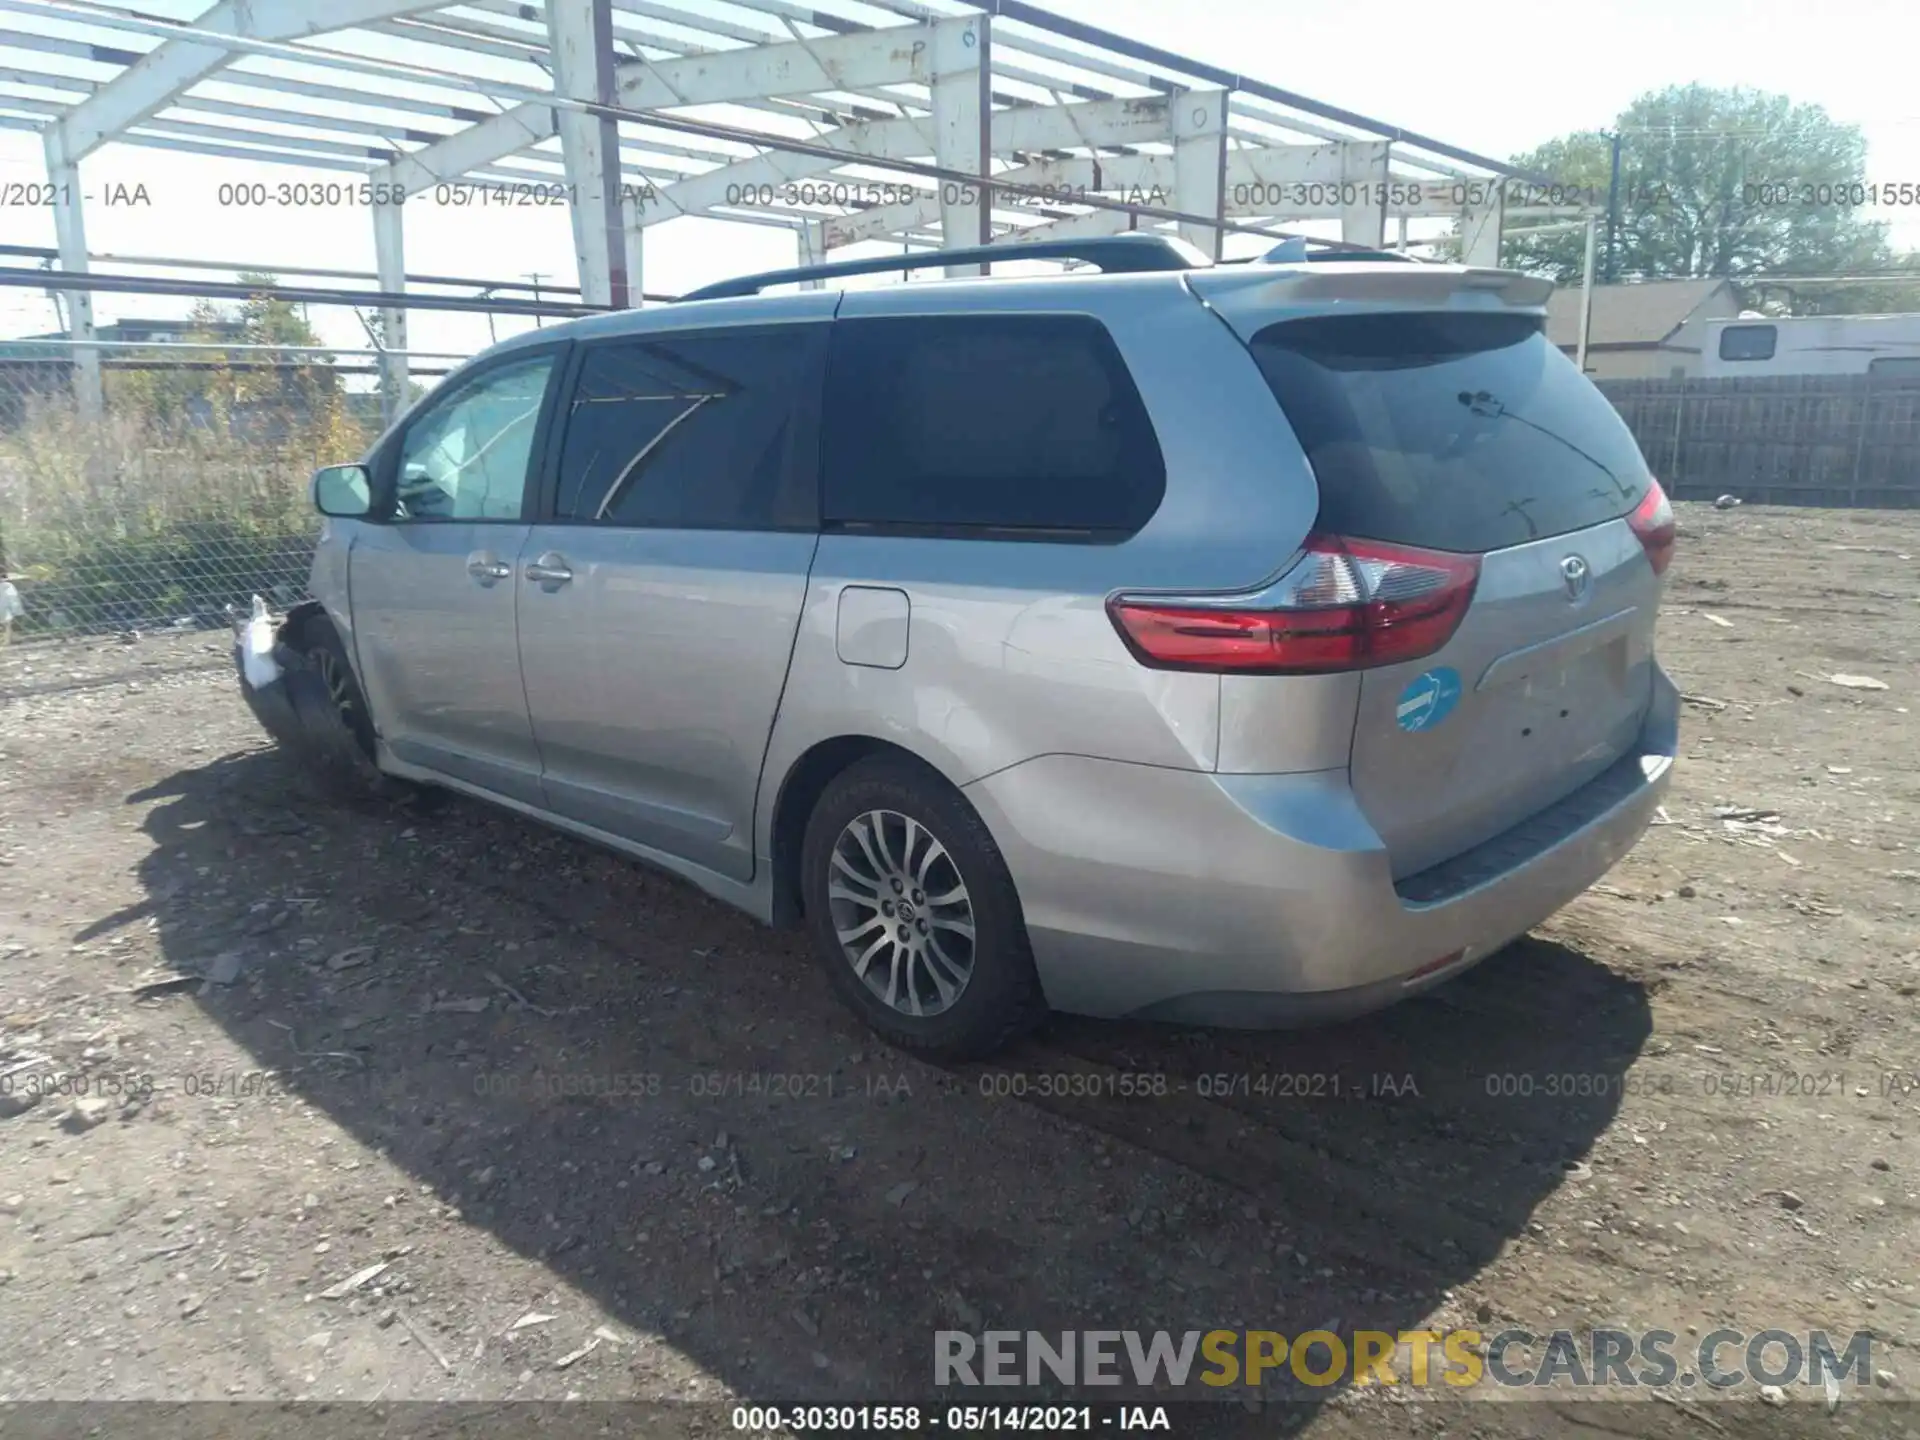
point(914, 915)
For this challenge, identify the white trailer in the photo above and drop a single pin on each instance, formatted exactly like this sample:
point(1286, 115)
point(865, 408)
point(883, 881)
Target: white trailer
point(1812, 345)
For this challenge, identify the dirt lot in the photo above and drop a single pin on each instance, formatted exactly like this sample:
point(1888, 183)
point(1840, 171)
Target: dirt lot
point(611, 1141)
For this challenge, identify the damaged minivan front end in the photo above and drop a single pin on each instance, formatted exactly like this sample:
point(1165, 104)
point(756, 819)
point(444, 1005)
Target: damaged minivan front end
point(286, 686)
point(294, 670)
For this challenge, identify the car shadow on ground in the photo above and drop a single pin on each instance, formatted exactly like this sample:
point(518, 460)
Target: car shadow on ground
point(662, 1104)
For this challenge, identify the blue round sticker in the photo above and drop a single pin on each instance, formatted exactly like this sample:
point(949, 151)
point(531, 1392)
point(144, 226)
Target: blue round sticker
point(1428, 699)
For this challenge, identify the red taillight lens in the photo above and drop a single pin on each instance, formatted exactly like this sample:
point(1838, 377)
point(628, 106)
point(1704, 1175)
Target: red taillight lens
point(1347, 605)
point(1652, 520)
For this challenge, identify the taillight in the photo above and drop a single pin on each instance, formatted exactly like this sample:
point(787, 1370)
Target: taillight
point(1346, 605)
point(1652, 520)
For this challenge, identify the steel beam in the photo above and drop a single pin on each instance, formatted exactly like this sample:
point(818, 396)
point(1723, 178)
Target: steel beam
point(1285, 182)
point(1480, 231)
point(1076, 227)
point(1117, 44)
point(840, 62)
point(38, 252)
point(167, 285)
point(962, 133)
point(1363, 203)
point(390, 261)
point(655, 79)
point(70, 232)
point(1200, 163)
point(203, 147)
point(166, 71)
point(446, 160)
point(1093, 124)
point(772, 170)
point(632, 248)
point(581, 37)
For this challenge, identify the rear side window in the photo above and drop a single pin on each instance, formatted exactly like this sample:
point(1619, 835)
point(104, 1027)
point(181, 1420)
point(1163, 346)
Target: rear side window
point(700, 431)
point(1748, 342)
point(1022, 426)
point(1466, 432)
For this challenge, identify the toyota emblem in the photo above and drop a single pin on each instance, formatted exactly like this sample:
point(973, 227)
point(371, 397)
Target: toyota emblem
point(1577, 575)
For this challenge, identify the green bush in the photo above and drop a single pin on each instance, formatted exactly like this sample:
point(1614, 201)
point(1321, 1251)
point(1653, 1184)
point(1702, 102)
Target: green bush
point(160, 511)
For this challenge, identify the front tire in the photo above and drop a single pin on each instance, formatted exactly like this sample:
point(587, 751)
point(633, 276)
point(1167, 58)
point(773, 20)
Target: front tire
point(914, 915)
point(337, 745)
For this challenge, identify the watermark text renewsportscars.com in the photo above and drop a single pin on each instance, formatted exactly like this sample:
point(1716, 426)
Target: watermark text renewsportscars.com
point(1456, 1360)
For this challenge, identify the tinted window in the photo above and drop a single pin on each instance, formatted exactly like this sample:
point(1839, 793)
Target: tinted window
point(1894, 365)
point(1748, 342)
point(466, 457)
point(1005, 423)
point(1464, 432)
point(693, 432)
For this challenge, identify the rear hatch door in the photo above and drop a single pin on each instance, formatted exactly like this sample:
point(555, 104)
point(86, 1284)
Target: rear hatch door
point(1435, 413)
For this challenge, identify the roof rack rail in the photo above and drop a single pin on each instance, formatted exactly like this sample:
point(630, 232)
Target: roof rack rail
point(1115, 254)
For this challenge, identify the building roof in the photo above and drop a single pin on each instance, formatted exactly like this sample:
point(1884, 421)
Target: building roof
point(1642, 313)
point(44, 349)
point(161, 331)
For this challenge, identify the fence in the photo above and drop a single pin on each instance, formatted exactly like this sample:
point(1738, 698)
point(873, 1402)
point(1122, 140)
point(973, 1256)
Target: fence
point(1784, 440)
point(187, 494)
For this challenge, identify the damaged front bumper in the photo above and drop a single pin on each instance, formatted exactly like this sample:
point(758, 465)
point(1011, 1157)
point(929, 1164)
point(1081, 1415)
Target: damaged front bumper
point(295, 707)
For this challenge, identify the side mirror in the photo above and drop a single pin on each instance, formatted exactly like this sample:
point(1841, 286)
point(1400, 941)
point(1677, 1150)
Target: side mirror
point(343, 491)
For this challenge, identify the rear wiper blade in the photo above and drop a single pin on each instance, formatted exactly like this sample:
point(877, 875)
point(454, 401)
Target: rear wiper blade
point(1485, 404)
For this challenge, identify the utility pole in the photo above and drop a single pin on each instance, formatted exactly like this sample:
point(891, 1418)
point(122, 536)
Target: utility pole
point(1586, 297)
point(536, 276)
point(1613, 206)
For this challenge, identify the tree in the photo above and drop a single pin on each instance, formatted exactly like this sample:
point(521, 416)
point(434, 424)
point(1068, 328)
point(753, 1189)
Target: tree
point(203, 384)
point(1895, 289)
point(305, 379)
point(1721, 183)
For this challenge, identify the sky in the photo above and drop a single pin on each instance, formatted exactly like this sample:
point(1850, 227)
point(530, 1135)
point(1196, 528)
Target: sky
point(1497, 81)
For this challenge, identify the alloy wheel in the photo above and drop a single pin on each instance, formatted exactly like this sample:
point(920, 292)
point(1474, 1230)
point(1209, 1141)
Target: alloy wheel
point(901, 911)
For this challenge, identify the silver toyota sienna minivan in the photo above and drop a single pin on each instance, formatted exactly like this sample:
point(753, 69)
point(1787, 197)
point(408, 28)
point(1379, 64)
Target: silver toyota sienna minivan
point(1240, 644)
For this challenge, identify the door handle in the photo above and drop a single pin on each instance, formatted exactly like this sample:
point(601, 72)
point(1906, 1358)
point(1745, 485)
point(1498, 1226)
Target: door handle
point(550, 569)
point(486, 569)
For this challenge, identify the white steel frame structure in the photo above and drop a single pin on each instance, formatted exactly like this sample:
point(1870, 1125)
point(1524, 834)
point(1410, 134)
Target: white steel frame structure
point(923, 123)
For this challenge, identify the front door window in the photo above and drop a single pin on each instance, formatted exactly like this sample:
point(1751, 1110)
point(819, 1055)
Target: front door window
point(467, 457)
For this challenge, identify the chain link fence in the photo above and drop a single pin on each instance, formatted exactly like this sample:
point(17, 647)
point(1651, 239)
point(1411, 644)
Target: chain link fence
point(186, 494)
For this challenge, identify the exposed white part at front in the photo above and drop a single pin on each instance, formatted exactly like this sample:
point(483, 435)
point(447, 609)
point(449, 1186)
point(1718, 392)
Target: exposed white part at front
point(256, 650)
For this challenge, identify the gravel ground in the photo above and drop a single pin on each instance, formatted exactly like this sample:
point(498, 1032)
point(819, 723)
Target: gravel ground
point(430, 1103)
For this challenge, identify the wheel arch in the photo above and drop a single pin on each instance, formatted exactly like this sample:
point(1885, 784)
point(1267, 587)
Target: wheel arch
point(800, 790)
point(294, 629)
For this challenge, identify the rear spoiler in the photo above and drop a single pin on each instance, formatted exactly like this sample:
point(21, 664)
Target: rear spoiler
point(1281, 288)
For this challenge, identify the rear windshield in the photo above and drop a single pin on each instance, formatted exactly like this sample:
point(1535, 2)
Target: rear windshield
point(1456, 431)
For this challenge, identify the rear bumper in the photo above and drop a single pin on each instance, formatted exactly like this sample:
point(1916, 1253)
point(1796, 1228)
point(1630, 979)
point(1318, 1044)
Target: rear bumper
point(1268, 900)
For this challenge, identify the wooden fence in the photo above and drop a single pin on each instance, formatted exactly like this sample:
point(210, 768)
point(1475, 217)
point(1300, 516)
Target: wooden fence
point(1782, 440)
